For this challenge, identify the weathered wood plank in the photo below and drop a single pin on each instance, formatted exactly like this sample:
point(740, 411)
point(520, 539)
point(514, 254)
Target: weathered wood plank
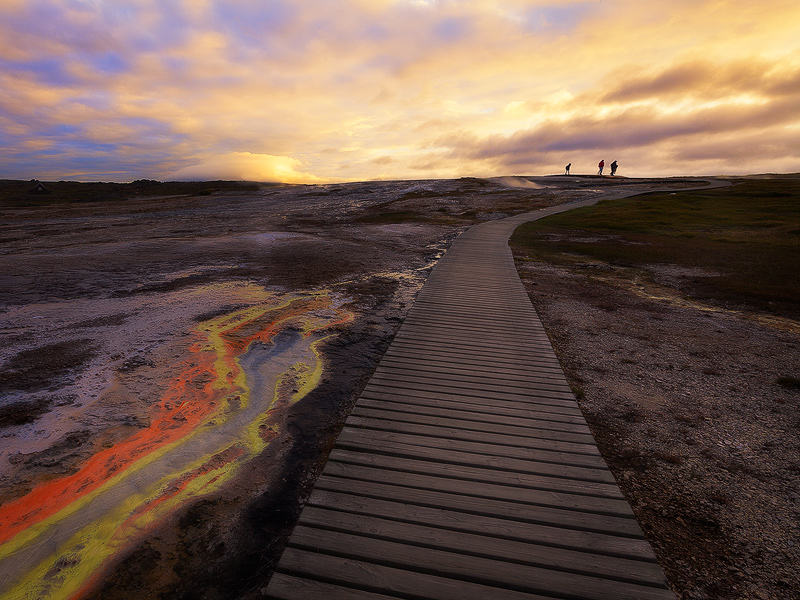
point(567, 432)
point(477, 404)
point(390, 580)
point(457, 366)
point(542, 362)
point(440, 480)
point(624, 526)
point(585, 541)
point(449, 358)
point(486, 571)
point(465, 340)
point(469, 372)
point(464, 453)
point(545, 483)
point(545, 450)
point(511, 391)
point(288, 587)
point(534, 398)
point(561, 559)
point(468, 327)
point(469, 412)
point(449, 418)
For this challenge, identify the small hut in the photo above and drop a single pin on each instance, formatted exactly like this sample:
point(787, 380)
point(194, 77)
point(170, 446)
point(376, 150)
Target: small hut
point(39, 188)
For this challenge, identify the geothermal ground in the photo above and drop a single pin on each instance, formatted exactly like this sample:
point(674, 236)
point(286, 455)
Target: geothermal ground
point(174, 369)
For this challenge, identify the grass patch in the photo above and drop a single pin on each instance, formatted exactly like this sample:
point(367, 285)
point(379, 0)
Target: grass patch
point(745, 234)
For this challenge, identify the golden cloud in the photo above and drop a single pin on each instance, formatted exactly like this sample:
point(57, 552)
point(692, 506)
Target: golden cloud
point(442, 88)
point(246, 166)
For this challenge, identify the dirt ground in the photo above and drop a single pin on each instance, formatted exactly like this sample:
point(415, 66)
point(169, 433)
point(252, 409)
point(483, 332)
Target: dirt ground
point(98, 299)
point(687, 405)
point(100, 302)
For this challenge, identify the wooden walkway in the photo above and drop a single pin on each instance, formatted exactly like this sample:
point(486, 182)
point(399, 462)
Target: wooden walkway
point(466, 470)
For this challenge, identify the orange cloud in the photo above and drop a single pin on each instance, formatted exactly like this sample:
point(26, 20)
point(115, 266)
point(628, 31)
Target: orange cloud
point(390, 78)
point(246, 166)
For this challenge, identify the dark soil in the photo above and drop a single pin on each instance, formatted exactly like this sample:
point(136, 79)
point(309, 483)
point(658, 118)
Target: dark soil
point(91, 283)
point(687, 406)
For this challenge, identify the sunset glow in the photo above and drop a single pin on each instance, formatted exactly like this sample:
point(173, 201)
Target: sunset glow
point(306, 92)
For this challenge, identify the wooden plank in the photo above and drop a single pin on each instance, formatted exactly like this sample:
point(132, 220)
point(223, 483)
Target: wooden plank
point(519, 383)
point(551, 401)
point(465, 340)
point(585, 541)
point(625, 526)
point(442, 480)
point(467, 336)
point(425, 313)
point(456, 363)
point(533, 481)
point(451, 418)
point(422, 382)
point(469, 326)
point(528, 360)
point(513, 436)
point(448, 359)
point(390, 580)
point(480, 404)
point(534, 398)
point(561, 559)
point(545, 434)
point(486, 571)
point(463, 453)
point(560, 452)
point(467, 411)
point(519, 395)
point(477, 447)
point(469, 372)
point(288, 587)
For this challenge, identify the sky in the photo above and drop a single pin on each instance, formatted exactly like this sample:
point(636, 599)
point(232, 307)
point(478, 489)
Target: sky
point(314, 91)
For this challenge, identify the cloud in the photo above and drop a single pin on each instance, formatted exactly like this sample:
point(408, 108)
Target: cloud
point(669, 118)
point(246, 166)
point(444, 88)
point(701, 79)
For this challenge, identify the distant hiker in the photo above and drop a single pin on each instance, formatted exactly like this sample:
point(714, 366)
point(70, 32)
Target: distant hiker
point(566, 169)
point(614, 168)
point(600, 165)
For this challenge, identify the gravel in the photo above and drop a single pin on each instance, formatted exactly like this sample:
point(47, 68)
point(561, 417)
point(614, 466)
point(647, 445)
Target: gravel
point(695, 409)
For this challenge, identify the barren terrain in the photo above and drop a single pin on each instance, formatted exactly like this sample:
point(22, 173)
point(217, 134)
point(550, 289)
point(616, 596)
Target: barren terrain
point(105, 304)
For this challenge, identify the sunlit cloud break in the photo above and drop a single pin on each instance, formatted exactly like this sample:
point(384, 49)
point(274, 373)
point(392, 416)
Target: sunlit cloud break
point(245, 166)
point(320, 91)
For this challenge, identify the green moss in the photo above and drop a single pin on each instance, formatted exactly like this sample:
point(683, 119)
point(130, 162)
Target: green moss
point(744, 234)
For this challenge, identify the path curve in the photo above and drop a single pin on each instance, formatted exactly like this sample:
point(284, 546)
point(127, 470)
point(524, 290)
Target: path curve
point(466, 469)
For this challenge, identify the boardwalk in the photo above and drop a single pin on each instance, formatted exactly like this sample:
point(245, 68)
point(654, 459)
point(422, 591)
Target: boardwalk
point(466, 470)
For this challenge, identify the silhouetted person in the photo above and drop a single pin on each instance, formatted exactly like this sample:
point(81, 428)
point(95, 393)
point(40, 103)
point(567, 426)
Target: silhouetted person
point(614, 168)
point(600, 165)
point(566, 169)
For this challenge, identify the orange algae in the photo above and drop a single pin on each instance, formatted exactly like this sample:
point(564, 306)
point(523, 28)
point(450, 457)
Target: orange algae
point(211, 382)
point(179, 412)
point(218, 461)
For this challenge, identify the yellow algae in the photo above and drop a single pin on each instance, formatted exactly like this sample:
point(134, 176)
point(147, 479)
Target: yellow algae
point(86, 551)
point(105, 532)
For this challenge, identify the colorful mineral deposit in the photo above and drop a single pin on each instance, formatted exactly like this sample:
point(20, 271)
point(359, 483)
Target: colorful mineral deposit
point(217, 413)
